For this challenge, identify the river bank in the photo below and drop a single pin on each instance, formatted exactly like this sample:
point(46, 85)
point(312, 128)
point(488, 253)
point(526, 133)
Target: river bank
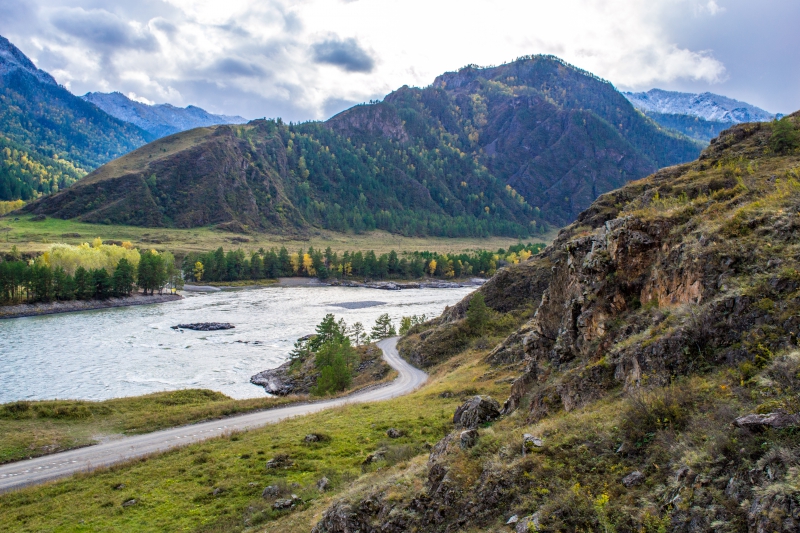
point(394, 285)
point(51, 308)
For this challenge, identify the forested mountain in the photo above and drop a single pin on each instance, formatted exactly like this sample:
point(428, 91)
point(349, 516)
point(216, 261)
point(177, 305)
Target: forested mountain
point(556, 134)
point(49, 137)
point(699, 116)
point(502, 150)
point(160, 119)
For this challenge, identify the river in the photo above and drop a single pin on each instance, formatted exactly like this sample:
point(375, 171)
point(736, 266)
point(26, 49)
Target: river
point(128, 351)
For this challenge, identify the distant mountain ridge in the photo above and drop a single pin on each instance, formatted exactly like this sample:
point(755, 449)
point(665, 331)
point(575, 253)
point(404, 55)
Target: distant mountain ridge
point(12, 59)
point(160, 119)
point(708, 106)
point(699, 116)
point(505, 150)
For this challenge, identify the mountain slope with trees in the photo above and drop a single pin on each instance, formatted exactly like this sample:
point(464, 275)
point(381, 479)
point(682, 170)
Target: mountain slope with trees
point(62, 135)
point(497, 151)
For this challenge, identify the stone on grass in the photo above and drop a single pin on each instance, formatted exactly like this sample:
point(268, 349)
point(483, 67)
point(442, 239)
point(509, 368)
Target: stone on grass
point(322, 484)
point(393, 433)
point(283, 503)
point(778, 420)
point(633, 479)
point(279, 461)
point(128, 503)
point(529, 523)
point(529, 442)
point(312, 437)
point(273, 491)
point(476, 411)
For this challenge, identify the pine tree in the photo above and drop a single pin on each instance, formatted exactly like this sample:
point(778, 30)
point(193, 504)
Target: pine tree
point(383, 328)
point(477, 314)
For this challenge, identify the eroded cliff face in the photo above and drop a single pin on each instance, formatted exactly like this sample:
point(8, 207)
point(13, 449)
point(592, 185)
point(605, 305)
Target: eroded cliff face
point(685, 287)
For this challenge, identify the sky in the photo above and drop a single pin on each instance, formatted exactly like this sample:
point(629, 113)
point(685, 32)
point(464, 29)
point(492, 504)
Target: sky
point(309, 59)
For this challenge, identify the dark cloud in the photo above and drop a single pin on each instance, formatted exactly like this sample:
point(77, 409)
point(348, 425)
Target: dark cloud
point(346, 54)
point(164, 25)
point(101, 28)
point(231, 66)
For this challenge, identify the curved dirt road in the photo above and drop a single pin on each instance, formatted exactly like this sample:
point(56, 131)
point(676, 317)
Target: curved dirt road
point(34, 471)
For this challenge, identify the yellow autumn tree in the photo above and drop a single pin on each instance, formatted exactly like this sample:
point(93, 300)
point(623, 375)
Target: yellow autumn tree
point(524, 255)
point(308, 265)
point(99, 255)
point(198, 271)
point(432, 267)
point(294, 259)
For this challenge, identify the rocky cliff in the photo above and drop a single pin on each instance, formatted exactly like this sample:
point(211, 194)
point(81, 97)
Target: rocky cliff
point(660, 369)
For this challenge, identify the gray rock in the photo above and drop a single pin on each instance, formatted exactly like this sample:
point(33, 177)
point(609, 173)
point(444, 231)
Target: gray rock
point(393, 433)
point(476, 411)
point(283, 503)
point(778, 420)
point(312, 437)
point(528, 523)
point(633, 479)
point(128, 503)
point(513, 520)
point(322, 484)
point(273, 491)
point(205, 326)
point(279, 461)
point(529, 442)
point(469, 438)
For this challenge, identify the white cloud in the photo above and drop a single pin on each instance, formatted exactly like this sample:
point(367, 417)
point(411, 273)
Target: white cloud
point(298, 59)
point(141, 99)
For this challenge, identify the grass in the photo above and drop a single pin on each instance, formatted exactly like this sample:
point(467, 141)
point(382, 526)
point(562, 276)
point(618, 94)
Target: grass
point(176, 491)
point(36, 236)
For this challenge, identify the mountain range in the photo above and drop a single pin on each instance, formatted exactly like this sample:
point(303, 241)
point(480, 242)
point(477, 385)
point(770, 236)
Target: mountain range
point(159, 120)
point(506, 150)
point(700, 116)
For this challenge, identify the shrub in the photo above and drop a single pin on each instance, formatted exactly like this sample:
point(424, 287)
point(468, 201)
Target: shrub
point(650, 412)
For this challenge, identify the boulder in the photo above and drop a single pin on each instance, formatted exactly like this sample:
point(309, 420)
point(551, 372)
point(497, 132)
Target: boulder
point(322, 484)
point(633, 479)
point(468, 439)
point(272, 491)
point(279, 461)
point(529, 442)
point(778, 420)
point(529, 523)
point(128, 503)
point(393, 433)
point(513, 520)
point(312, 437)
point(283, 503)
point(476, 411)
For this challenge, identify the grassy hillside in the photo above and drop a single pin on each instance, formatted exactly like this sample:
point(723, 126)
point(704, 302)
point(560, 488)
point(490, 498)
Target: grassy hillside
point(667, 311)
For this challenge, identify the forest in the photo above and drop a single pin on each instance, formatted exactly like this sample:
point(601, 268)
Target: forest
point(236, 265)
point(86, 272)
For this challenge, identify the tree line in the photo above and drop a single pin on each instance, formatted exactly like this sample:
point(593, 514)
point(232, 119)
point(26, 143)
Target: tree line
point(40, 280)
point(236, 265)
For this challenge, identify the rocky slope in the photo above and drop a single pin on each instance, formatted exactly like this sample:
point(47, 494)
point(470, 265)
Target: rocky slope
point(159, 120)
point(659, 372)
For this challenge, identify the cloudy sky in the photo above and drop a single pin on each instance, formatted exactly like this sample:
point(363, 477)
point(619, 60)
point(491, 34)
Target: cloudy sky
point(309, 59)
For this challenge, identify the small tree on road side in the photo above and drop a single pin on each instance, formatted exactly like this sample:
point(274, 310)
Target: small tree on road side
point(383, 328)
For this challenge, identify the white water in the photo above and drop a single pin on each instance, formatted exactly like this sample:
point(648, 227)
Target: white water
point(129, 351)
